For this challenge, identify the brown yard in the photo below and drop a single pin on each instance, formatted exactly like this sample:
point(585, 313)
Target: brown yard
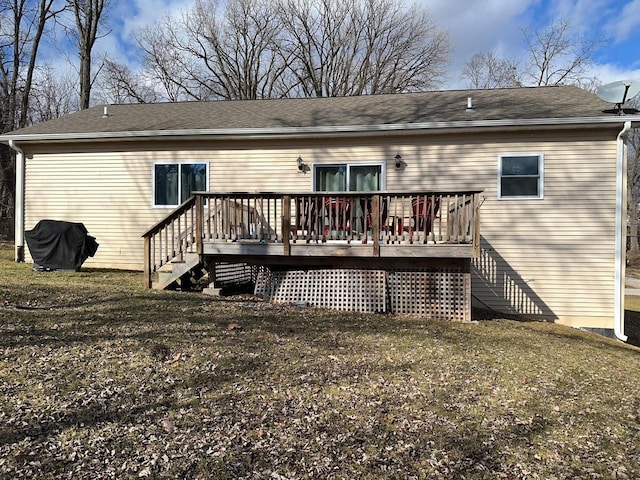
point(101, 378)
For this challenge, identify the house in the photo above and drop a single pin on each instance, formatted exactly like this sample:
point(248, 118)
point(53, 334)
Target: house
point(511, 198)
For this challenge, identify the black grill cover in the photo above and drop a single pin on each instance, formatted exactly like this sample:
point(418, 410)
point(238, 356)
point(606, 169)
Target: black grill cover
point(57, 245)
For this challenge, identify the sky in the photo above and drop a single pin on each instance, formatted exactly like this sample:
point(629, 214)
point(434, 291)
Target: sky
point(485, 25)
point(473, 25)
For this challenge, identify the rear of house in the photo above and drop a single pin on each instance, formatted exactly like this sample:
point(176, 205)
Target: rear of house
point(548, 177)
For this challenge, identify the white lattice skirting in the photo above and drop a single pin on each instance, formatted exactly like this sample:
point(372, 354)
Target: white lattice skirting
point(442, 294)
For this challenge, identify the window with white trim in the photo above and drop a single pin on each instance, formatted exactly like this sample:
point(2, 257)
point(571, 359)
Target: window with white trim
point(173, 183)
point(347, 177)
point(520, 176)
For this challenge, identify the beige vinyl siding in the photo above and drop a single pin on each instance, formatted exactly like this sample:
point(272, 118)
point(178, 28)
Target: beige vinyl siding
point(550, 257)
point(553, 257)
point(109, 193)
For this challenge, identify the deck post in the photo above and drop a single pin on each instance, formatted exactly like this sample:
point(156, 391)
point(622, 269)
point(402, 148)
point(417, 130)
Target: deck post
point(375, 224)
point(286, 225)
point(476, 225)
point(210, 264)
point(199, 223)
point(467, 290)
point(147, 261)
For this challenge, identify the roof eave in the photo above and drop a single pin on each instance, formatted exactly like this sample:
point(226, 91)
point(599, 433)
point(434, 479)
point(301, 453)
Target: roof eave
point(314, 131)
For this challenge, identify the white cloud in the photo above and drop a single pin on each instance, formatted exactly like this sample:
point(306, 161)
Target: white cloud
point(608, 73)
point(583, 14)
point(623, 24)
point(495, 25)
point(479, 27)
point(140, 13)
point(126, 18)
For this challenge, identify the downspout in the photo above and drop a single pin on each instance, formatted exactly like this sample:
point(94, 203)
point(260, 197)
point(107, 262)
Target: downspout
point(19, 202)
point(621, 233)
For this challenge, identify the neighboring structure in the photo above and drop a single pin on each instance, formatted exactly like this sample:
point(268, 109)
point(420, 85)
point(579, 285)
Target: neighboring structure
point(549, 163)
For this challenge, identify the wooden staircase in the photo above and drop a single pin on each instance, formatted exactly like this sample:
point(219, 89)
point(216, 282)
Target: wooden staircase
point(173, 246)
point(180, 273)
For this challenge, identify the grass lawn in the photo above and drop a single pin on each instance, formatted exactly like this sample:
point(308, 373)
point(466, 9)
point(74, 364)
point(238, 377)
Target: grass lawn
point(100, 378)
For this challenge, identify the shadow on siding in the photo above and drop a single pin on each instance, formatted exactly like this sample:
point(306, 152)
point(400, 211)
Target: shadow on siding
point(497, 286)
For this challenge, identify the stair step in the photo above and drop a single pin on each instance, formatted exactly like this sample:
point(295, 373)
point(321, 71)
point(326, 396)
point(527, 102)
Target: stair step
point(174, 272)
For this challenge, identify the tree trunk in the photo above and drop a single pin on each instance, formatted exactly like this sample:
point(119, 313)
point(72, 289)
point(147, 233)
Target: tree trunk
point(87, 14)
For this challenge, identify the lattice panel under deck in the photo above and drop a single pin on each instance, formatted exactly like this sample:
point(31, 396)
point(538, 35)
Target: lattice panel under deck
point(444, 294)
point(340, 289)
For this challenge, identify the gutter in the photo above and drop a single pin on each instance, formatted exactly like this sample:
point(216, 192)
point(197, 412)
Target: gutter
point(319, 130)
point(621, 232)
point(19, 202)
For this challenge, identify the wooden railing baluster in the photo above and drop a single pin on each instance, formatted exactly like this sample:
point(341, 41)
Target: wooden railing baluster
point(403, 219)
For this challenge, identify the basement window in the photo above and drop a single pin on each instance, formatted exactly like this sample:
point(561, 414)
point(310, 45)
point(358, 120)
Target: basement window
point(173, 183)
point(520, 176)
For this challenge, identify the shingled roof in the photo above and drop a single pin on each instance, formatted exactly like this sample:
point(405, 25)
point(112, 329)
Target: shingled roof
point(515, 104)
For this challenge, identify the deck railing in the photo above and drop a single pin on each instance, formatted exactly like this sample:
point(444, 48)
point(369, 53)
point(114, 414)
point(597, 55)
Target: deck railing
point(290, 219)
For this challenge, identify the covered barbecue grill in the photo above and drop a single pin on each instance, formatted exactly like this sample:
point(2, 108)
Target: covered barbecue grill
point(59, 245)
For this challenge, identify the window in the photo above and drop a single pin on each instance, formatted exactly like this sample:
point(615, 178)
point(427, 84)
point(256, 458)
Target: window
point(348, 177)
point(520, 176)
point(173, 183)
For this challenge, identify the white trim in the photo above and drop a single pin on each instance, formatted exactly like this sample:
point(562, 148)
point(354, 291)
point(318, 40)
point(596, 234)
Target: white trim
point(540, 195)
point(348, 165)
point(621, 233)
point(268, 132)
point(19, 202)
point(179, 163)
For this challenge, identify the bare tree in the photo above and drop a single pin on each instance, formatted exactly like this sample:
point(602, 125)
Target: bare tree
point(216, 51)
point(119, 84)
point(362, 47)
point(487, 70)
point(239, 51)
point(246, 49)
point(54, 96)
point(164, 64)
point(558, 57)
point(555, 56)
point(22, 26)
point(87, 14)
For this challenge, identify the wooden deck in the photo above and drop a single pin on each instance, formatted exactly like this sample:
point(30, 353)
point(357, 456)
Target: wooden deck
point(332, 228)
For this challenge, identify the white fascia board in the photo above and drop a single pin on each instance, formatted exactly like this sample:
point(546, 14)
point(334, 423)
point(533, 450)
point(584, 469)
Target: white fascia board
point(248, 133)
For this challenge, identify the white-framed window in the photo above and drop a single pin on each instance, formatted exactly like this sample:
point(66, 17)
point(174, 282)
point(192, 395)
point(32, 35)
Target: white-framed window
point(521, 176)
point(349, 177)
point(173, 182)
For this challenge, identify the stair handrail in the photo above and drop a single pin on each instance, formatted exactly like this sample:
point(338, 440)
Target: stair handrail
point(150, 265)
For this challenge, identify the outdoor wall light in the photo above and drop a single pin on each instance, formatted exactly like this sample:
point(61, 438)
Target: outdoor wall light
point(398, 159)
point(301, 165)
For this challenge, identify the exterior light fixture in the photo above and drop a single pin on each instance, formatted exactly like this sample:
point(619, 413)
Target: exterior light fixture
point(301, 165)
point(398, 159)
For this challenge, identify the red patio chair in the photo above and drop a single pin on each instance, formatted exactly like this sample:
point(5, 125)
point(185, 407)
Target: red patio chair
point(367, 219)
point(338, 211)
point(425, 211)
